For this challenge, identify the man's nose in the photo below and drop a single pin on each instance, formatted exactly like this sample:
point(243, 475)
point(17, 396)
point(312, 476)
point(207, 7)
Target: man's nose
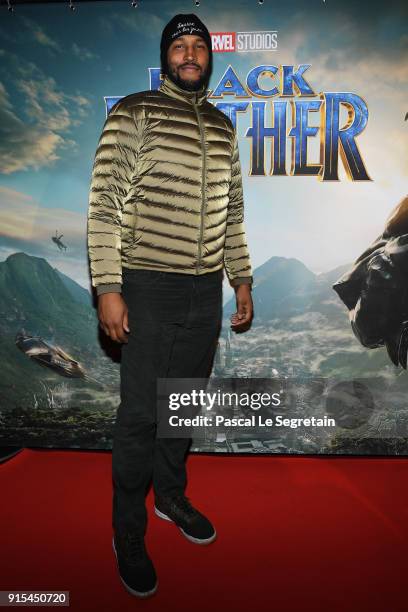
point(190, 54)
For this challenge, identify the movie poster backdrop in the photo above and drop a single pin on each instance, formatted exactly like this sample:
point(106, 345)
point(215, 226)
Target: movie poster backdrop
point(318, 94)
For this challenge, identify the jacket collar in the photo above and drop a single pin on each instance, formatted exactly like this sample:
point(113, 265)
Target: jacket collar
point(171, 89)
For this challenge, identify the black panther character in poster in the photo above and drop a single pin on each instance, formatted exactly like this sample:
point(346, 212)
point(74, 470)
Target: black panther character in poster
point(376, 289)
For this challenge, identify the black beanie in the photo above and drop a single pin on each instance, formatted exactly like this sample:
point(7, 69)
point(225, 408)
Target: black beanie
point(181, 25)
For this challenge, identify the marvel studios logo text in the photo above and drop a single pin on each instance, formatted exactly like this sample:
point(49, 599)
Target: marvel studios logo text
point(242, 42)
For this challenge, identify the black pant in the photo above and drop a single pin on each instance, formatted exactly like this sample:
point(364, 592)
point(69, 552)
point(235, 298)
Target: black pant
point(174, 322)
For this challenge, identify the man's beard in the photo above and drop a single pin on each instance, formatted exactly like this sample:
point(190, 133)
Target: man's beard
point(189, 84)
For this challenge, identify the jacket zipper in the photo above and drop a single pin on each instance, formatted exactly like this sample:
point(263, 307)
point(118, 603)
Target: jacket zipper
point(203, 174)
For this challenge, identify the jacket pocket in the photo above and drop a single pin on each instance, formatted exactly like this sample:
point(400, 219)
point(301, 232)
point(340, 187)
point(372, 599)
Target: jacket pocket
point(136, 233)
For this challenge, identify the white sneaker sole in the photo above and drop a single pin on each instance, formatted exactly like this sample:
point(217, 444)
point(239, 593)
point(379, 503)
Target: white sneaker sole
point(186, 535)
point(142, 594)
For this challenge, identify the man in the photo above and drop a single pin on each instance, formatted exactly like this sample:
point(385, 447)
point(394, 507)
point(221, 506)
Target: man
point(165, 217)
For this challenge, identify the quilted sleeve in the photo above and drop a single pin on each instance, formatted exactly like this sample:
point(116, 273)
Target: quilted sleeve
point(236, 256)
point(111, 179)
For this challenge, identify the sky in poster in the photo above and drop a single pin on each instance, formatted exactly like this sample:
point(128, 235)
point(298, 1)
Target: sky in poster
point(56, 66)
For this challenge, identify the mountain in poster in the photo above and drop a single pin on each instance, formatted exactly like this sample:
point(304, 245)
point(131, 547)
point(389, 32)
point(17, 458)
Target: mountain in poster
point(301, 330)
point(301, 327)
point(300, 324)
point(37, 300)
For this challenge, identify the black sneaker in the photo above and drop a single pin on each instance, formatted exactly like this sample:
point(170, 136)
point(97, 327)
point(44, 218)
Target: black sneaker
point(136, 569)
point(194, 525)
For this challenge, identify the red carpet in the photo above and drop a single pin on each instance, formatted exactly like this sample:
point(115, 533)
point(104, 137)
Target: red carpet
point(294, 534)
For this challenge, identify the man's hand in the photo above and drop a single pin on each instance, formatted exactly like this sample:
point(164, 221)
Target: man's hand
point(113, 316)
point(241, 319)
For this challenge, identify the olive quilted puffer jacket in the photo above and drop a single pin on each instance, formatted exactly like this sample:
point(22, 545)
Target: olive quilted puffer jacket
point(166, 191)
